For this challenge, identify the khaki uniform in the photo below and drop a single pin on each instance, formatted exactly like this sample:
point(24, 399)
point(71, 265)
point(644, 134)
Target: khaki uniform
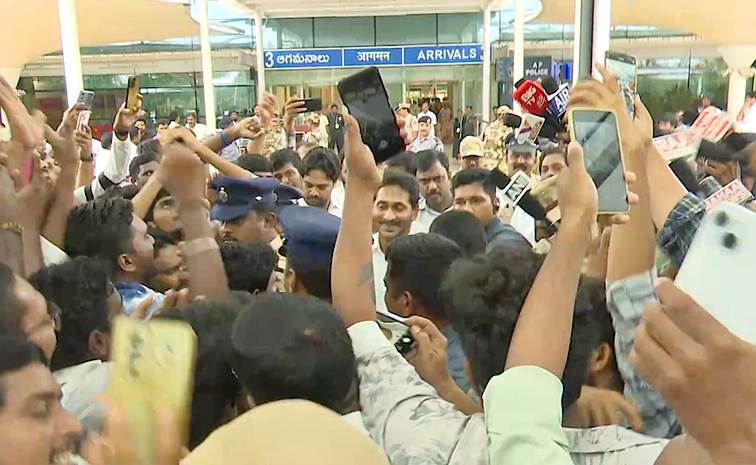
point(280, 270)
point(274, 141)
point(317, 137)
point(493, 143)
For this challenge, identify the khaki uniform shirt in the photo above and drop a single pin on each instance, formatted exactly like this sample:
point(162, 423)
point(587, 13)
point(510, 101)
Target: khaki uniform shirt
point(319, 138)
point(274, 141)
point(493, 144)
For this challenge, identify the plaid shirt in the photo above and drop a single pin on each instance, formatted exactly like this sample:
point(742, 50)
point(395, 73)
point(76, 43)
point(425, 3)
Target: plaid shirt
point(626, 299)
point(680, 227)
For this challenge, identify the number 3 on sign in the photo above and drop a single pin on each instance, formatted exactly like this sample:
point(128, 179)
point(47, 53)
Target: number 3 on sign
point(269, 59)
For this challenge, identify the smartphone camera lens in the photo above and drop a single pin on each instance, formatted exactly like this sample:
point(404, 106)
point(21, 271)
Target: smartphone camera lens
point(721, 219)
point(730, 241)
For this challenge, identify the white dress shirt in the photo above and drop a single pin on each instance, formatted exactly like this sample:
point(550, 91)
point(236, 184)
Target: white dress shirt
point(200, 131)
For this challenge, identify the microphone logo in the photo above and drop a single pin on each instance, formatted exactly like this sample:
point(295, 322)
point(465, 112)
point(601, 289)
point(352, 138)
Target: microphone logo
point(529, 95)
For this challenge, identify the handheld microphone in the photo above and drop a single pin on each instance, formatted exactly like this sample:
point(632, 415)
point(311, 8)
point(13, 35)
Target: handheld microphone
point(533, 99)
point(526, 201)
point(558, 95)
point(512, 121)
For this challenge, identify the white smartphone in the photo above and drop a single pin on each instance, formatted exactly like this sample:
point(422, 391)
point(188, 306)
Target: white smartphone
point(717, 270)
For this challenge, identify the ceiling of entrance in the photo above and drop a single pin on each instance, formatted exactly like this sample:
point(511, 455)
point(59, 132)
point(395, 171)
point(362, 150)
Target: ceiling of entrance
point(300, 8)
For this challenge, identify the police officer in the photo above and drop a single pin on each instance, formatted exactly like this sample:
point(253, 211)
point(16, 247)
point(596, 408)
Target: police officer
point(317, 135)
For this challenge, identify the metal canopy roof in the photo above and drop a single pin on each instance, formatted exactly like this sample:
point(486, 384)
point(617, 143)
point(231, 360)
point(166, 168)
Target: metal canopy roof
point(325, 8)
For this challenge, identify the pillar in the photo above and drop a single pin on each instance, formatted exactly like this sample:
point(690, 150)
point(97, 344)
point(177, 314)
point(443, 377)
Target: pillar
point(69, 41)
point(486, 101)
point(260, 54)
point(739, 59)
point(207, 66)
point(518, 60)
point(602, 32)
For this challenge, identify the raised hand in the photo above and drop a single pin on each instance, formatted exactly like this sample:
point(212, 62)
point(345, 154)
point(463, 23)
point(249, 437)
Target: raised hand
point(429, 356)
point(359, 158)
point(602, 407)
point(578, 199)
point(248, 127)
point(182, 173)
point(25, 130)
point(34, 200)
point(126, 117)
point(84, 142)
point(268, 107)
point(703, 371)
point(63, 141)
point(294, 106)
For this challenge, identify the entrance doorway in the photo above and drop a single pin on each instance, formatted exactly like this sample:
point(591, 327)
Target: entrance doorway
point(417, 92)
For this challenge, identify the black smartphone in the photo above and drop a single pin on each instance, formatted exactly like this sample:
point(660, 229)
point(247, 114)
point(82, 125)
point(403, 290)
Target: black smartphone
point(86, 97)
point(366, 98)
point(397, 331)
point(132, 93)
point(313, 104)
point(597, 132)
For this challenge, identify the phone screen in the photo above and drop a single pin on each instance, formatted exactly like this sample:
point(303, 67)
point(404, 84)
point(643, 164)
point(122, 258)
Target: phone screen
point(365, 96)
point(132, 92)
point(598, 134)
point(624, 68)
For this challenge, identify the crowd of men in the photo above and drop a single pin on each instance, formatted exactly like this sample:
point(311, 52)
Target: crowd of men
point(285, 257)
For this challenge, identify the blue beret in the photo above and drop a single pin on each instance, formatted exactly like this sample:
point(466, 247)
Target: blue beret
point(287, 196)
point(237, 197)
point(310, 235)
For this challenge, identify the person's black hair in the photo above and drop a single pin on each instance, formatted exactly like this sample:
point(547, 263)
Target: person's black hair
point(475, 176)
point(80, 288)
point(173, 116)
point(552, 150)
point(215, 385)
point(404, 181)
point(11, 309)
point(668, 118)
point(255, 163)
point(225, 122)
point(487, 293)
point(426, 158)
point(163, 239)
point(293, 347)
point(280, 158)
point(324, 160)
point(315, 275)
point(162, 193)
point(751, 95)
point(417, 264)
point(685, 174)
point(192, 113)
point(99, 228)
point(164, 122)
point(18, 353)
point(464, 229)
point(149, 150)
point(127, 192)
point(404, 161)
point(248, 266)
point(140, 119)
point(106, 140)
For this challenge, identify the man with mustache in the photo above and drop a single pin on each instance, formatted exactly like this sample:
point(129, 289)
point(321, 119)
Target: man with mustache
point(394, 210)
point(521, 156)
point(434, 180)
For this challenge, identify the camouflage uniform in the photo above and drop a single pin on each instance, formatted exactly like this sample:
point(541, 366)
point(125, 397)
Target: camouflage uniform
point(274, 140)
point(406, 417)
point(317, 137)
point(280, 269)
point(493, 140)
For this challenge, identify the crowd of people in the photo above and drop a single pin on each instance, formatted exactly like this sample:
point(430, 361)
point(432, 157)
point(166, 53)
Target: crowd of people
point(286, 257)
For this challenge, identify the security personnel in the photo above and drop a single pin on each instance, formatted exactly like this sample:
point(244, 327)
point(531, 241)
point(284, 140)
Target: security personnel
point(246, 209)
point(494, 139)
point(317, 135)
point(309, 239)
point(471, 153)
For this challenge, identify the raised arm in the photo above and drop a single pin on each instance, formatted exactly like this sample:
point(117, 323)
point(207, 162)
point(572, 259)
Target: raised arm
point(246, 128)
point(353, 286)
point(66, 154)
point(85, 175)
point(183, 175)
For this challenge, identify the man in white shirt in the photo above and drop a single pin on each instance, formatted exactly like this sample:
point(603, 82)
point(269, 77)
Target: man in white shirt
point(425, 111)
point(747, 115)
point(200, 130)
point(320, 176)
point(434, 180)
point(394, 211)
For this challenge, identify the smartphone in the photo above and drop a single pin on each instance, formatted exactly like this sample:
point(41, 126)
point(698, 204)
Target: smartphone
point(366, 99)
point(153, 367)
point(597, 132)
point(132, 93)
point(397, 331)
point(86, 98)
point(624, 68)
point(716, 271)
point(313, 104)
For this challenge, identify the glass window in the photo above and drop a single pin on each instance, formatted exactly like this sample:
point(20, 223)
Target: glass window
point(238, 98)
point(287, 33)
point(161, 101)
point(461, 28)
point(406, 30)
point(344, 32)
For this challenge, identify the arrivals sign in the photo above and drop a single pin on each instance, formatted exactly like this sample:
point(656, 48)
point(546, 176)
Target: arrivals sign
point(373, 56)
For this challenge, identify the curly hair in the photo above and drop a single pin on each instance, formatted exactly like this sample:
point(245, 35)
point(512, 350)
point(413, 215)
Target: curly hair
point(80, 288)
point(100, 228)
point(487, 293)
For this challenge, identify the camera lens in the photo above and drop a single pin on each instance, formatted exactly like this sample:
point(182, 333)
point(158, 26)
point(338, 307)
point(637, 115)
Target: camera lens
point(721, 219)
point(730, 241)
